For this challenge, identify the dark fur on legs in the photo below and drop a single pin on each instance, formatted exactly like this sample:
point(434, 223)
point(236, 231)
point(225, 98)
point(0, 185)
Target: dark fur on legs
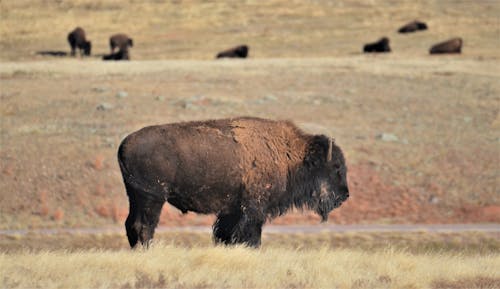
point(240, 227)
point(143, 217)
point(224, 226)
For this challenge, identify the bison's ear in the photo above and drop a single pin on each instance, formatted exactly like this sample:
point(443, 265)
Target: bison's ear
point(317, 151)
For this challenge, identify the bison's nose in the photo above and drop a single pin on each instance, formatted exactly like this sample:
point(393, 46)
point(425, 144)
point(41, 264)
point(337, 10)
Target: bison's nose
point(346, 194)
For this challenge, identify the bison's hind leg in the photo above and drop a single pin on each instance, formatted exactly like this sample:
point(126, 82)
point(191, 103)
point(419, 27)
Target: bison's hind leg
point(132, 233)
point(143, 216)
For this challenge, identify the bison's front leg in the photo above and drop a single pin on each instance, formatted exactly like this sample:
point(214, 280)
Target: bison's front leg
point(240, 227)
point(224, 227)
point(249, 228)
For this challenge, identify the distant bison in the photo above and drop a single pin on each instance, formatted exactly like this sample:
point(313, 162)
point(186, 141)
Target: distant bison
point(121, 54)
point(244, 170)
point(381, 45)
point(240, 51)
point(120, 41)
point(77, 39)
point(413, 26)
point(453, 45)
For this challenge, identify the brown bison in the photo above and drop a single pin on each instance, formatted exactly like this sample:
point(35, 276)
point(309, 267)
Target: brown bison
point(240, 51)
point(453, 45)
point(382, 45)
point(413, 27)
point(77, 39)
point(121, 54)
point(120, 41)
point(244, 170)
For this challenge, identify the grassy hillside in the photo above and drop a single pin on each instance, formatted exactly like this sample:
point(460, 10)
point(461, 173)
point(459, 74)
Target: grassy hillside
point(277, 28)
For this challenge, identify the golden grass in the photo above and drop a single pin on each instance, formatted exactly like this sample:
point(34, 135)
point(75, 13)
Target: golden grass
point(220, 267)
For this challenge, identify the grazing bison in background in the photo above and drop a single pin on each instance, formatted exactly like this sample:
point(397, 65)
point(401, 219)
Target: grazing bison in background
point(244, 170)
point(120, 41)
point(413, 26)
point(380, 46)
point(77, 39)
point(240, 51)
point(121, 54)
point(453, 45)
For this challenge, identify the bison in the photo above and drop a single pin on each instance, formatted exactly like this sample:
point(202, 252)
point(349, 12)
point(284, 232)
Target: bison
point(382, 45)
point(453, 45)
point(413, 27)
point(240, 51)
point(245, 170)
point(122, 41)
point(121, 54)
point(77, 39)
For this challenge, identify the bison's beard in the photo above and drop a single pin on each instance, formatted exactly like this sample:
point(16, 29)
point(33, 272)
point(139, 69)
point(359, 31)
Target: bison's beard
point(324, 208)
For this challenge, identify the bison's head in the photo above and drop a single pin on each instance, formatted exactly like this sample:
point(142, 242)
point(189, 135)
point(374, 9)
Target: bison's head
point(331, 176)
point(87, 47)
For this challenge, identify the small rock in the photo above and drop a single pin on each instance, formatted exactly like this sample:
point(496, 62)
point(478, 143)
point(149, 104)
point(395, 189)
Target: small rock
point(109, 142)
point(388, 137)
point(270, 97)
point(104, 106)
point(122, 94)
point(433, 200)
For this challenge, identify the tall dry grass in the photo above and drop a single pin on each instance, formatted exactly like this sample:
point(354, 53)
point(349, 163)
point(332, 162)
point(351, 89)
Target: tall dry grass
point(170, 266)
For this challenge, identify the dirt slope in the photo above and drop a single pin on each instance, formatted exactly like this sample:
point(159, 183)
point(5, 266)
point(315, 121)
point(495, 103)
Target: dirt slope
point(421, 139)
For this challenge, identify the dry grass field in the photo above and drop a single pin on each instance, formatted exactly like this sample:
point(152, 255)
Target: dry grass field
point(167, 266)
point(188, 260)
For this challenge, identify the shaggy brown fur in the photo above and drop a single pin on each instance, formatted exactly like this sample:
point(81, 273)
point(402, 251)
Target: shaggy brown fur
point(453, 45)
point(240, 51)
point(413, 27)
point(122, 41)
point(77, 39)
point(382, 45)
point(245, 170)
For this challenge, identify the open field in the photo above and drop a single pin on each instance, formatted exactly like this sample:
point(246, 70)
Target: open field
point(421, 136)
point(189, 260)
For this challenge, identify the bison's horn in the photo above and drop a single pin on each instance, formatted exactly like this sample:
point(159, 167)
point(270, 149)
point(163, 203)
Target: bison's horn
point(329, 155)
